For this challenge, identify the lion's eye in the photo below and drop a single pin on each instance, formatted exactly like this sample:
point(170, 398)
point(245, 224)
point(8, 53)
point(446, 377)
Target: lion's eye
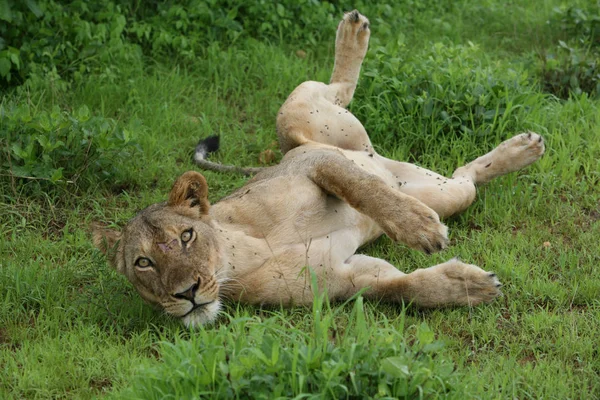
point(186, 236)
point(143, 262)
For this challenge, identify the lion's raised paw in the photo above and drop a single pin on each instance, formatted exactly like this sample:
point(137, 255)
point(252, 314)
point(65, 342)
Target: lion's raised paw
point(353, 33)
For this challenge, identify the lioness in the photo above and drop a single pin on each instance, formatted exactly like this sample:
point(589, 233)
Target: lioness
point(331, 194)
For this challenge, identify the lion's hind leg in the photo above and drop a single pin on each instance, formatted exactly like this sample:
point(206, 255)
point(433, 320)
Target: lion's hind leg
point(510, 156)
point(315, 111)
point(444, 195)
point(351, 43)
point(449, 196)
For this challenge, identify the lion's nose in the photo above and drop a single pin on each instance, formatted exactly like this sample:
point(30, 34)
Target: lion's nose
point(189, 293)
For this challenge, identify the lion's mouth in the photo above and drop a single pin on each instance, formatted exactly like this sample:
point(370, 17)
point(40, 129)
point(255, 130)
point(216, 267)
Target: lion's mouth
point(202, 314)
point(196, 307)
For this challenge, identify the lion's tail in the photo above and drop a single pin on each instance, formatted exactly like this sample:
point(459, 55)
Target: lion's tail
point(210, 145)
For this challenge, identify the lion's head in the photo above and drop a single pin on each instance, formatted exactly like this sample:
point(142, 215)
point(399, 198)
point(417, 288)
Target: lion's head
point(170, 252)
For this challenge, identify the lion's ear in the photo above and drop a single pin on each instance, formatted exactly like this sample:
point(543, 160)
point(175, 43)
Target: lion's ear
point(108, 242)
point(190, 190)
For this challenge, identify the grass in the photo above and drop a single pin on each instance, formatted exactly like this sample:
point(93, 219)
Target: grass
point(72, 328)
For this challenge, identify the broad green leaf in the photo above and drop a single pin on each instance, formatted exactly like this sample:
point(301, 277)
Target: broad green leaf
point(34, 8)
point(424, 334)
point(57, 175)
point(5, 11)
point(4, 66)
point(280, 10)
point(395, 366)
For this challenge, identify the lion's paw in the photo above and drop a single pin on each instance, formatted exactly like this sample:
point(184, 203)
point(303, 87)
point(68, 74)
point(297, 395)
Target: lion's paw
point(413, 223)
point(521, 150)
point(510, 156)
point(456, 283)
point(353, 34)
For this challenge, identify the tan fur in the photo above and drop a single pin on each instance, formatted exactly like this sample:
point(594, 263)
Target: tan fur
point(330, 195)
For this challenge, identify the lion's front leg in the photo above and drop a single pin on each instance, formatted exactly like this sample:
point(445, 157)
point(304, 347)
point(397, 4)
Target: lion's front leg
point(403, 218)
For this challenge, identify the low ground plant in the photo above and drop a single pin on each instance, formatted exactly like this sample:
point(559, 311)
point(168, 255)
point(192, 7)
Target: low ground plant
point(60, 148)
point(573, 65)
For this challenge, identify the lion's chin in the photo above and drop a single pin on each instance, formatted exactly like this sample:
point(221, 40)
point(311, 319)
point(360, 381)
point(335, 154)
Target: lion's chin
point(203, 315)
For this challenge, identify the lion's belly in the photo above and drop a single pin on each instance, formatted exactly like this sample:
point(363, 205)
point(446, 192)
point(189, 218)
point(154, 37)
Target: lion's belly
point(289, 210)
point(289, 223)
point(335, 222)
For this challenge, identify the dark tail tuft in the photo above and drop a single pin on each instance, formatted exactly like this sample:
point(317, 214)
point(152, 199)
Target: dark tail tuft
point(210, 145)
point(205, 147)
